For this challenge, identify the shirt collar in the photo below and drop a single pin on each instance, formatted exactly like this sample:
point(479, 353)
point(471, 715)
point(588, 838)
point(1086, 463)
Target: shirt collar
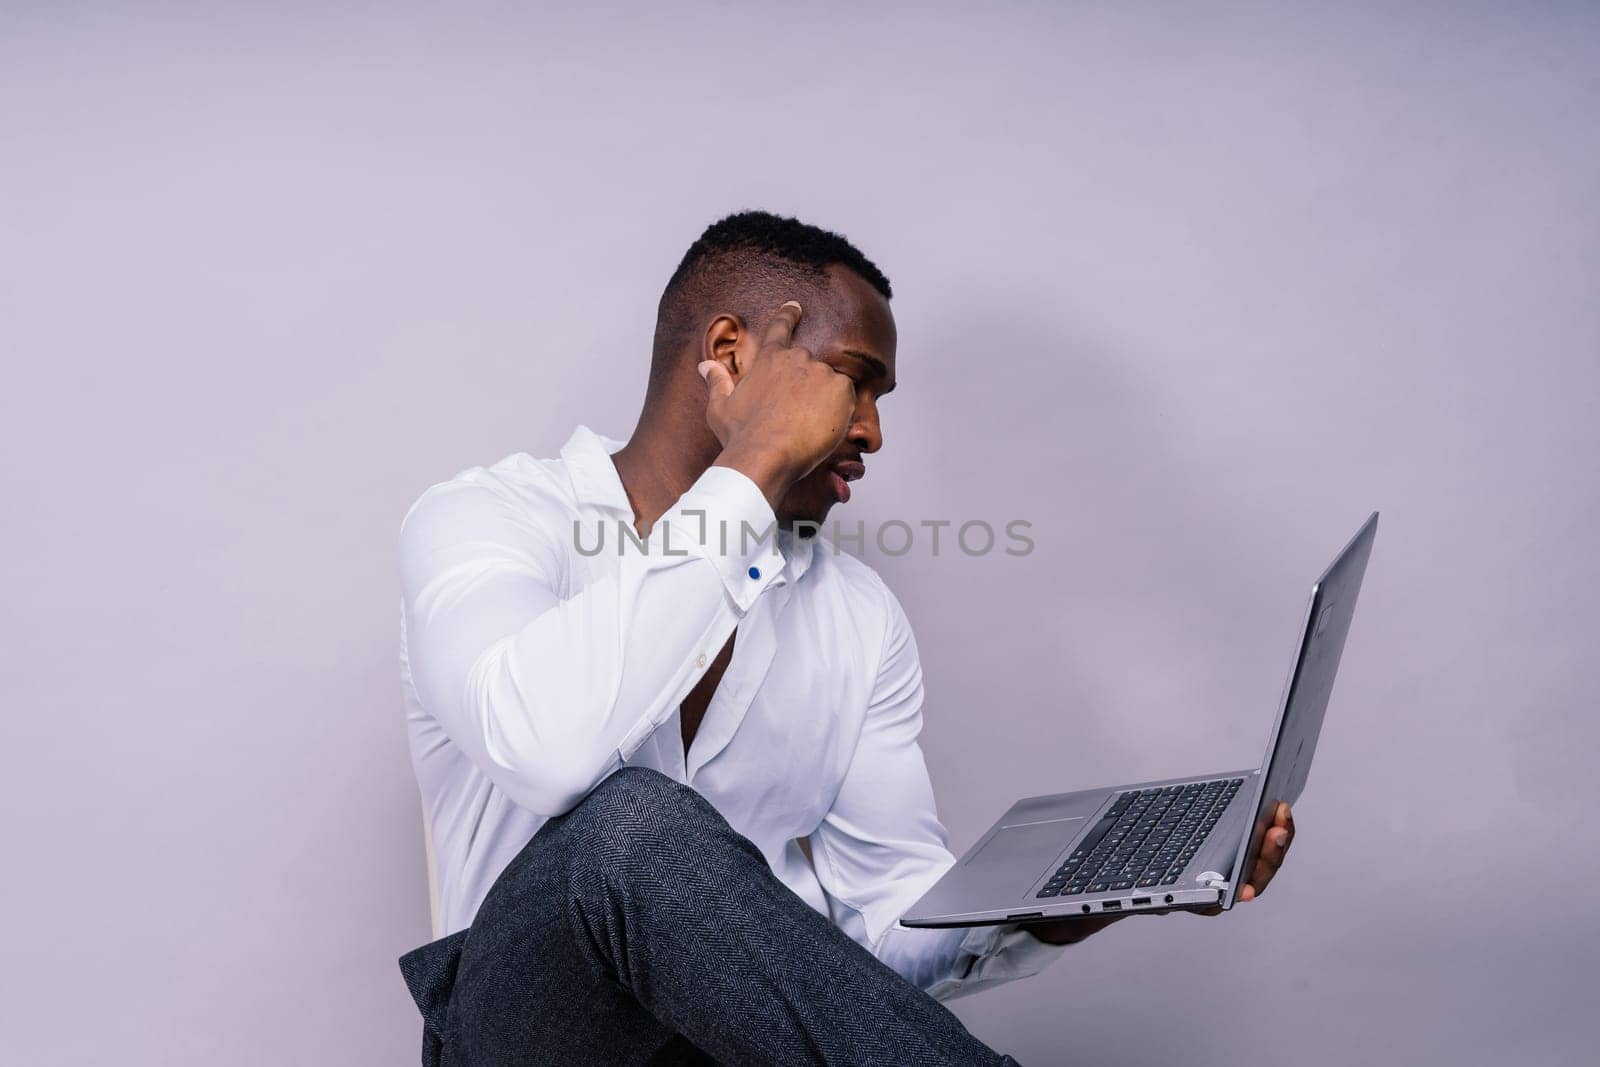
point(595, 481)
point(797, 553)
point(594, 477)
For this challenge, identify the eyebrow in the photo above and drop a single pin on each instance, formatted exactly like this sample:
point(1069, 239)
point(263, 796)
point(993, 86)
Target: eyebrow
point(879, 367)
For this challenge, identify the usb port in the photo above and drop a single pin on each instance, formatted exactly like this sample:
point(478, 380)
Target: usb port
point(1140, 902)
point(1111, 905)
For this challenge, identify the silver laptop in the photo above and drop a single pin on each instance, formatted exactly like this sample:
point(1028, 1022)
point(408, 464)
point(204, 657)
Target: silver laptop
point(1178, 843)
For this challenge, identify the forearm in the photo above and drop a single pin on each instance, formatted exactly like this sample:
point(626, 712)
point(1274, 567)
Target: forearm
point(546, 692)
point(549, 712)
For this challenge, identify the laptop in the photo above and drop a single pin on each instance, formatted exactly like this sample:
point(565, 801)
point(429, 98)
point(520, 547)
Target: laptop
point(1156, 846)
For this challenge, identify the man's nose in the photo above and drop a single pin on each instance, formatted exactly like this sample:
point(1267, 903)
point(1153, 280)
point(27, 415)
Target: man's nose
point(865, 432)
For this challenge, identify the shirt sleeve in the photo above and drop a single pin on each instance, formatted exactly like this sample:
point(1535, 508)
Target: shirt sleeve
point(548, 693)
point(881, 846)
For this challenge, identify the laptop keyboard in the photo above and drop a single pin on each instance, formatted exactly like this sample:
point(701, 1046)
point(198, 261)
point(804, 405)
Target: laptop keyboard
point(1146, 839)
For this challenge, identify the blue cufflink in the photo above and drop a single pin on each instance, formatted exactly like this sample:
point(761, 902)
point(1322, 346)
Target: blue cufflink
point(755, 572)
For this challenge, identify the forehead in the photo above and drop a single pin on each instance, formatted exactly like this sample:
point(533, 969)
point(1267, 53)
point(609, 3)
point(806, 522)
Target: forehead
point(853, 315)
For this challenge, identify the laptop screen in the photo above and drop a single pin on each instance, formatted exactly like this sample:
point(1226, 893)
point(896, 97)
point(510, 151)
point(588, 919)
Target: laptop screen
point(1305, 701)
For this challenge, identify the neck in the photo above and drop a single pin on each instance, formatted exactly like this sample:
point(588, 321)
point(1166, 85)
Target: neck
point(667, 452)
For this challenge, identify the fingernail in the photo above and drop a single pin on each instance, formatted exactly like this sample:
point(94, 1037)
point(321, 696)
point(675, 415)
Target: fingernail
point(1283, 838)
point(793, 304)
point(704, 366)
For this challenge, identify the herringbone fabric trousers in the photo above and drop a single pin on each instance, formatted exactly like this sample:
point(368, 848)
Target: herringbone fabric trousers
point(639, 928)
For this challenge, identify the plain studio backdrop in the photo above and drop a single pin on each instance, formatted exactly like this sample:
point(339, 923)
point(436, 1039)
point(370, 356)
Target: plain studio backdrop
point(1191, 288)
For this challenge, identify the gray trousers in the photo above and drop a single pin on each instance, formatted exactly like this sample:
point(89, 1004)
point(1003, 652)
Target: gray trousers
point(639, 928)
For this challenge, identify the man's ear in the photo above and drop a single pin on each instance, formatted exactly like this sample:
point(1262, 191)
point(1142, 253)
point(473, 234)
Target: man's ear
point(728, 342)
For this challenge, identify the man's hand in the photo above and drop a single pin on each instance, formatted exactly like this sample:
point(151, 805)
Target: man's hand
point(1274, 848)
point(787, 412)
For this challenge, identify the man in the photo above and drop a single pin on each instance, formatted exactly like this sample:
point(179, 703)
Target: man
point(673, 779)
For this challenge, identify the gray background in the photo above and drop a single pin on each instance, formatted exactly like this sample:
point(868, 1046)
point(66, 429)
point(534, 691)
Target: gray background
point(1190, 287)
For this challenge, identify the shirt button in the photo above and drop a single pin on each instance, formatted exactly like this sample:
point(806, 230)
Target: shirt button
point(755, 572)
point(700, 660)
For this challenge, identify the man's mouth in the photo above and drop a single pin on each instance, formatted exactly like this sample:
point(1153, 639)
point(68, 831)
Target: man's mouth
point(841, 474)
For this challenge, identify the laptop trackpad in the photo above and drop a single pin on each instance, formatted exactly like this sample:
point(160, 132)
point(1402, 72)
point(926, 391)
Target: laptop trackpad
point(1014, 858)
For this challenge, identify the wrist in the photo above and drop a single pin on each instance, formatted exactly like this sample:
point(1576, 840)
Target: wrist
point(764, 466)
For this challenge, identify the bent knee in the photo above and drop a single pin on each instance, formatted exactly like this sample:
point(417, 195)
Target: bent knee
point(636, 783)
point(640, 809)
point(636, 796)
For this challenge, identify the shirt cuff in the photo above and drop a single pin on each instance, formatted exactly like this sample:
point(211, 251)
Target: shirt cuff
point(725, 518)
point(1000, 954)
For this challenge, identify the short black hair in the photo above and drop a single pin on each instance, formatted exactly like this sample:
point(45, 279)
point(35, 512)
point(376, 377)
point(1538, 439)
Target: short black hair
point(765, 234)
point(753, 252)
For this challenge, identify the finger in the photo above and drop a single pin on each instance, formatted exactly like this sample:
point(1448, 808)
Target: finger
point(780, 330)
point(1261, 877)
point(1261, 874)
point(1273, 850)
point(719, 383)
point(1285, 819)
point(1248, 893)
point(1275, 847)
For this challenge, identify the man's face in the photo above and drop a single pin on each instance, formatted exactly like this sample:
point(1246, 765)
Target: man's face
point(853, 332)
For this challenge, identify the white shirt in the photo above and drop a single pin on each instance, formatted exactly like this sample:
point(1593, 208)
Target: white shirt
point(534, 666)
